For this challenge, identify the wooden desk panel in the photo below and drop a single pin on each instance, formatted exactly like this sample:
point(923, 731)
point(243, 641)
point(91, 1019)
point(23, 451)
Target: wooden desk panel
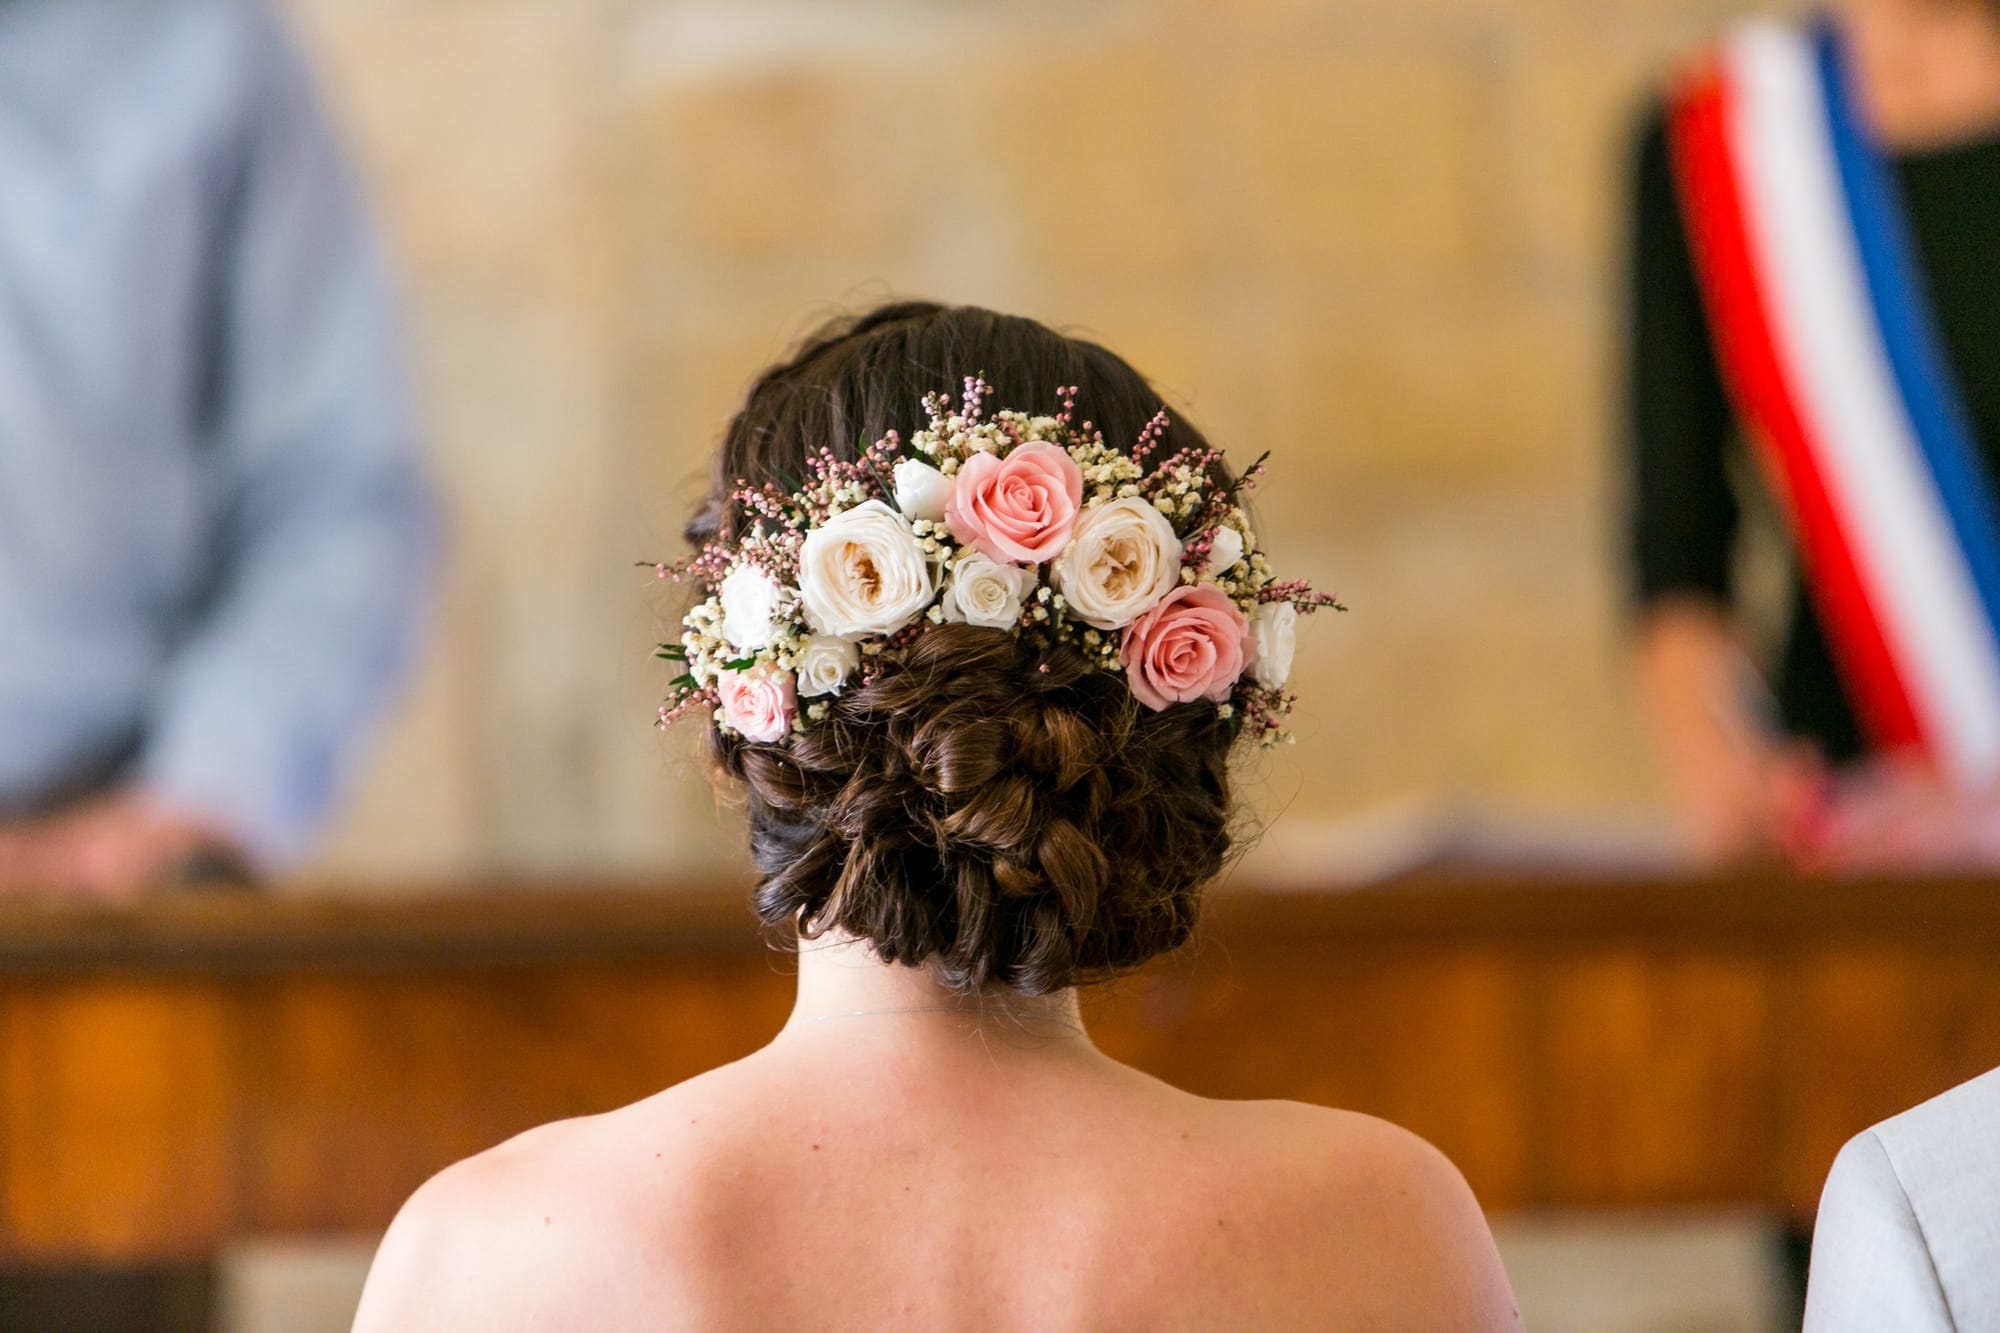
point(1874, 1026)
point(354, 1094)
point(191, 1068)
point(118, 1111)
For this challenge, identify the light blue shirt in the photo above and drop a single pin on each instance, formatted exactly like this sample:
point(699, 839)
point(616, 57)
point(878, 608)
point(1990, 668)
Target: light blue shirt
point(213, 529)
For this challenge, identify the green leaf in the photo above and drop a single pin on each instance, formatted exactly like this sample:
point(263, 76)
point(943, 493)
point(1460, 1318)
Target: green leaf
point(683, 682)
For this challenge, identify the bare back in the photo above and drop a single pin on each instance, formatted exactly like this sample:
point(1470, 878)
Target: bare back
point(1067, 626)
point(882, 1177)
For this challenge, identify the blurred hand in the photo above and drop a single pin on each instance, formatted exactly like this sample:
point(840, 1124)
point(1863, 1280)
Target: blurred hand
point(109, 849)
point(1896, 816)
point(1740, 792)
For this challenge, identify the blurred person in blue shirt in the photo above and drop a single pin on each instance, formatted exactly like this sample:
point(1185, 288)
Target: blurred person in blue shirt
point(213, 527)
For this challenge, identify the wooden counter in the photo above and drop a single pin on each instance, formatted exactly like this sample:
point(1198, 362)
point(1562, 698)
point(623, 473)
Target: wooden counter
point(206, 1065)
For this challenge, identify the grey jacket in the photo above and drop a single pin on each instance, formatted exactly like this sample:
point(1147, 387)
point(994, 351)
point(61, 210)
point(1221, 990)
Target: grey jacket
point(1908, 1236)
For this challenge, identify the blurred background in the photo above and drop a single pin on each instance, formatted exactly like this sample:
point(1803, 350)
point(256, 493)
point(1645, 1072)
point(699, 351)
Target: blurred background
point(1378, 238)
point(1384, 239)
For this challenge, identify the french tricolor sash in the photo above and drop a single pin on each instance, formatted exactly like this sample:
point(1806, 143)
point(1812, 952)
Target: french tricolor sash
point(1827, 343)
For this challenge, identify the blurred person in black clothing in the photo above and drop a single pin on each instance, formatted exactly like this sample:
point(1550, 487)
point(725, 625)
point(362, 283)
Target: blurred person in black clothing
point(1773, 759)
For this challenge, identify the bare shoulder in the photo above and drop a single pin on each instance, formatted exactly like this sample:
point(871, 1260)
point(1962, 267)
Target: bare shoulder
point(1383, 1214)
point(1362, 1151)
point(539, 1231)
point(463, 1250)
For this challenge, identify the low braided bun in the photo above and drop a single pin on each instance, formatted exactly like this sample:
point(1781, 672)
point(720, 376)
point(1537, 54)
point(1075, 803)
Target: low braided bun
point(973, 803)
point(1007, 819)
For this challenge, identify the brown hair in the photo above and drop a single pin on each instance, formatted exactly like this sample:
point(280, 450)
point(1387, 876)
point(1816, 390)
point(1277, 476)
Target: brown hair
point(981, 805)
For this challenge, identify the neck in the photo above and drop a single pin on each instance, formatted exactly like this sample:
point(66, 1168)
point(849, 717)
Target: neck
point(844, 986)
point(1927, 72)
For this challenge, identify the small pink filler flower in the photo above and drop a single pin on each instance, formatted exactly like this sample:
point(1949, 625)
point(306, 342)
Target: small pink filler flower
point(759, 702)
point(1019, 509)
point(1191, 645)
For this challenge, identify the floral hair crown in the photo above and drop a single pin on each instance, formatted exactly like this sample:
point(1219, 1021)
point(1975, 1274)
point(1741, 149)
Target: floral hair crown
point(1030, 524)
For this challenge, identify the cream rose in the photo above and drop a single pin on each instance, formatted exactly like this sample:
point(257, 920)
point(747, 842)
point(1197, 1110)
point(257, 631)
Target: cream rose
point(751, 601)
point(825, 663)
point(862, 572)
point(985, 592)
point(921, 490)
point(1226, 552)
point(1123, 559)
point(1273, 638)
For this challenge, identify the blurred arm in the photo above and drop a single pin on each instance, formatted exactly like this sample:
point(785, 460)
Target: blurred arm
point(321, 513)
point(1694, 679)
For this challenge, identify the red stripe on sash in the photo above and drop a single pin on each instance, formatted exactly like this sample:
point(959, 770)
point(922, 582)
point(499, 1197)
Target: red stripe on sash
point(1746, 345)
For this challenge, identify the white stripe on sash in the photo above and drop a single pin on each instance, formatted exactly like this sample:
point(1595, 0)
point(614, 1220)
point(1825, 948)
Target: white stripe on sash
point(1831, 349)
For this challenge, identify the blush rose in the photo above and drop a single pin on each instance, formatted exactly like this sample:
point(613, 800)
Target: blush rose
point(1019, 509)
point(759, 702)
point(1190, 646)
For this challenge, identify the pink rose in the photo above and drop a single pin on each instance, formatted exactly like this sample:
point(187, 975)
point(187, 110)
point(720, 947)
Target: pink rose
point(1191, 645)
point(759, 702)
point(1018, 509)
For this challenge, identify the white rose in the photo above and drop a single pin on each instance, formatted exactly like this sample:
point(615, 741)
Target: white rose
point(862, 572)
point(1123, 559)
point(1273, 636)
point(751, 600)
point(921, 490)
point(1227, 551)
point(825, 663)
point(985, 592)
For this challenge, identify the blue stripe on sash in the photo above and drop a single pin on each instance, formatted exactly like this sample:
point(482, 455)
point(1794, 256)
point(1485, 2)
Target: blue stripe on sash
point(1904, 318)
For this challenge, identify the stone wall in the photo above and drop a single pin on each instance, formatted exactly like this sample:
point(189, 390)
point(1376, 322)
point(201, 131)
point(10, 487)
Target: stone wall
point(1377, 236)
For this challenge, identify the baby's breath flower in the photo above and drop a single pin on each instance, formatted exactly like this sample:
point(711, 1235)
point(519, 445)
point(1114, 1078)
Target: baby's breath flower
point(1183, 486)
